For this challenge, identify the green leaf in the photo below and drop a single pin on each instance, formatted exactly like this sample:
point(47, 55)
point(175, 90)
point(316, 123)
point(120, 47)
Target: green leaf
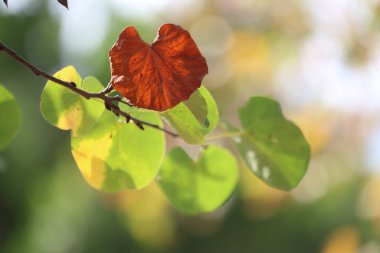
point(198, 107)
point(9, 117)
point(114, 155)
point(273, 147)
point(194, 118)
point(67, 110)
point(201, 186)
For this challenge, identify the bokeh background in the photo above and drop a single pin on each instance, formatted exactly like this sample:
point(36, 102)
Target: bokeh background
point(319, 58)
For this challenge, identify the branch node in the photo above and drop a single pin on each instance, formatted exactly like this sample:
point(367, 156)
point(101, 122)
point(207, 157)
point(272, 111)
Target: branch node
point(107, 89)
point(116, 113)
point(139, 125)
point(127, 118)
point(107, 106)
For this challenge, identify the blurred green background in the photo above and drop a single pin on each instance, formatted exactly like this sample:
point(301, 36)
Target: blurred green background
point(319, 58)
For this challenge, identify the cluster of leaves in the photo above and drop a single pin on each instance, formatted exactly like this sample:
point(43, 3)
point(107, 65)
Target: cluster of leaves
point(113, 155)
point(163, 82)
point(63, 2)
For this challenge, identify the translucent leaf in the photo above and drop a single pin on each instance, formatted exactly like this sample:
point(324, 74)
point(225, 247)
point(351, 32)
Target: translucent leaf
point(198, 107)
point(194, 118)
point(200, 186)
point(116, 155)
point(67, 110)
point(160, 75)
point(273, 147)
point(9, 117)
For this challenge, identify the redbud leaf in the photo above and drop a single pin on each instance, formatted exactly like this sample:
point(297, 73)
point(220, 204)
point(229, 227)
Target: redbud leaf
point(67, 110)
point(273, 147)
point(115, 155)
point(198, 186)
point(194, 118)
point(157, 76)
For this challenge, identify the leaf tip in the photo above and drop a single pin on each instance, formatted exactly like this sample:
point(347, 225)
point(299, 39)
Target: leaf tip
point(63, 2)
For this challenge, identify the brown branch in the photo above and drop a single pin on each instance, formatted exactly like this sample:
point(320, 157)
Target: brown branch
point(108, 100)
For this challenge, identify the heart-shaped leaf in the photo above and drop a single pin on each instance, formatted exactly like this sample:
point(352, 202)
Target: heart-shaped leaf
point(114, 155)
point(201, 186)
point(194, 118)
point(67, 110)
point(9, 117)
point(273, 147)
point(160, 75)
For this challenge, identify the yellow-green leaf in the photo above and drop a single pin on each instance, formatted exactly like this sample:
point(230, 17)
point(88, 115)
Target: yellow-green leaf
point(198, 186)
point(115, 155)
point(67, 110)
point(195, 118)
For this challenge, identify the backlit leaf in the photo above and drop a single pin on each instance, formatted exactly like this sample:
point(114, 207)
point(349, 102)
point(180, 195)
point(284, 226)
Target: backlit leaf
point(198, 107)
point(273, 147)
point(194, 118)
point(200, 186)
point(116, 155)
point(67, 110)
point(9, 117)
point(160, 75)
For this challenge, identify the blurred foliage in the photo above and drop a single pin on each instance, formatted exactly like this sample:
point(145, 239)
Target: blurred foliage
point(45, 206)
point(10, 117)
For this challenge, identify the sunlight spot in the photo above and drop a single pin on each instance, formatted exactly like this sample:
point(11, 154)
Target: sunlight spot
point(266, 172)
point(370, 247)
point(252, 162)
point(80, 33)
point(220, 42)
point(237, 139)
point(151, 9)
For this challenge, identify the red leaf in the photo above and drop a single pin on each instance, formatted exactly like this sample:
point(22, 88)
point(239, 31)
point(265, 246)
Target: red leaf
point(64, 3)
point(160, 75)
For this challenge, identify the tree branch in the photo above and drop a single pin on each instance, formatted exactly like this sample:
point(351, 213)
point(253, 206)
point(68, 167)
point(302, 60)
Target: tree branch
point(108, 100)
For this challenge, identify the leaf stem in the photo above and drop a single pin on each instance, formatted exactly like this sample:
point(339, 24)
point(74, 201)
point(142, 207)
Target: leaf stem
point(108, 100)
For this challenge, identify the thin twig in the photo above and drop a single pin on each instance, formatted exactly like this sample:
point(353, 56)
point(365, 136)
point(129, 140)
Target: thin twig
point(119, 99)
point(108, 100)
point(107, 89)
